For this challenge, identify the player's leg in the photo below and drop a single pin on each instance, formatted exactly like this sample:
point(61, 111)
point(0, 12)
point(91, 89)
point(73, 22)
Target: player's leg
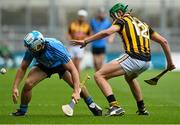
point(33, 78)
point(98, 57)
point(133, 68)
point(77, 56)
point(108, 71)
point(136, 91)
point(135, 88)
point(95, 109)
point(98, 60)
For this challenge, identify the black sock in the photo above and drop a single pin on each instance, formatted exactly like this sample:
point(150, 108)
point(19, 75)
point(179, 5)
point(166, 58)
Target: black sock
point(112, 101)
point(140, 105)
point(111, 98)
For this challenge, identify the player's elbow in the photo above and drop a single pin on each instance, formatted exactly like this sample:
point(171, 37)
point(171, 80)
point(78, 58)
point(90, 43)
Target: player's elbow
point(164, 42)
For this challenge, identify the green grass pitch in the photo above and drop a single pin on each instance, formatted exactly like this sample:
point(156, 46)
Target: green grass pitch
point(162, 101)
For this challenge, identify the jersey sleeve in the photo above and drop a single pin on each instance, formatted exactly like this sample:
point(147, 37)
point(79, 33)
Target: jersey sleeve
point(119, 23)
point(28, 56)
point(65, 58)
point(62, 53)
point(151, 32)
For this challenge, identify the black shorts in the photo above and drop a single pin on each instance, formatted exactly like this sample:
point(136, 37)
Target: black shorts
point(98, 51)
point(49, 71)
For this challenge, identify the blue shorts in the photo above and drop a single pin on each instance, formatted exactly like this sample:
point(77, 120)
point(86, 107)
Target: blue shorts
point(98, 51)
point(49, 71)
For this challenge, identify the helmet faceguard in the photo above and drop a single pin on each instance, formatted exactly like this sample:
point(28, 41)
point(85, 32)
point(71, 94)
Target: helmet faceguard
point(115, 9)
point(34, 41)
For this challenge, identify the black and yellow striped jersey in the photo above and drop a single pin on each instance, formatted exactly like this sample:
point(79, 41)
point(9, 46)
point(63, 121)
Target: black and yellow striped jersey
point(79, 30)
point(136, 37)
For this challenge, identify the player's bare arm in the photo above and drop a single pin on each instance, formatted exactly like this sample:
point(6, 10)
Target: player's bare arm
point(19, 76)
point(75, 78)
point(96, 36)
point(111, 38)
point(164, 44)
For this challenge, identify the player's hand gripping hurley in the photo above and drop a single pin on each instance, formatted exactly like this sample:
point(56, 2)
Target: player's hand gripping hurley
point(68, 108)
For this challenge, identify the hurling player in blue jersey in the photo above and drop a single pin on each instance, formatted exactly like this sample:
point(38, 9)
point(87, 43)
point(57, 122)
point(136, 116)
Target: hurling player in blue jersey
point(98, 47)
point(51, 57)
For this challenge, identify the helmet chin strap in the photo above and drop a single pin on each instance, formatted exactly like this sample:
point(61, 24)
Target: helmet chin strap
point(116, 15)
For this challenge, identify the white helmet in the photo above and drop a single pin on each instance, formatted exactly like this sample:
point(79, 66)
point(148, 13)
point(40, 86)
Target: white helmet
point(34, 40)
point(82, 12)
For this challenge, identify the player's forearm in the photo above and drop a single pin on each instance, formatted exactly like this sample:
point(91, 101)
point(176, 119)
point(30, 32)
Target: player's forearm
point(167, 51)
point(76, 81)
point(19, 76)
point(164, 44)
point(97, 36)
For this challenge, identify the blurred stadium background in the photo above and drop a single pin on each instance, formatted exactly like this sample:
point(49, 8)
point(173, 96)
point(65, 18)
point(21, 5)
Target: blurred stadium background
point(51, 17)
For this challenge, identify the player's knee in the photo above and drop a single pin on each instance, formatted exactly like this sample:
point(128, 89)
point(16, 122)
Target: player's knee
point(130, 78)
point(97, 75)
point(126, 78)
point(28, 85)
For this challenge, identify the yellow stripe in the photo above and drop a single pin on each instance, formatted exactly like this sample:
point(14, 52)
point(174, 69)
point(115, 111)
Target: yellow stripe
point(126, 39)
point(154, 33)
point(147, 45)
point(141, 43)
point(117, 26)
point(132, 33)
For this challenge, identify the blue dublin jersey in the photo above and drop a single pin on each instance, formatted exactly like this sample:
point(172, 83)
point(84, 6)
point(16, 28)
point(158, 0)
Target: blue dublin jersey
point(98, 26)
point(54, 54)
